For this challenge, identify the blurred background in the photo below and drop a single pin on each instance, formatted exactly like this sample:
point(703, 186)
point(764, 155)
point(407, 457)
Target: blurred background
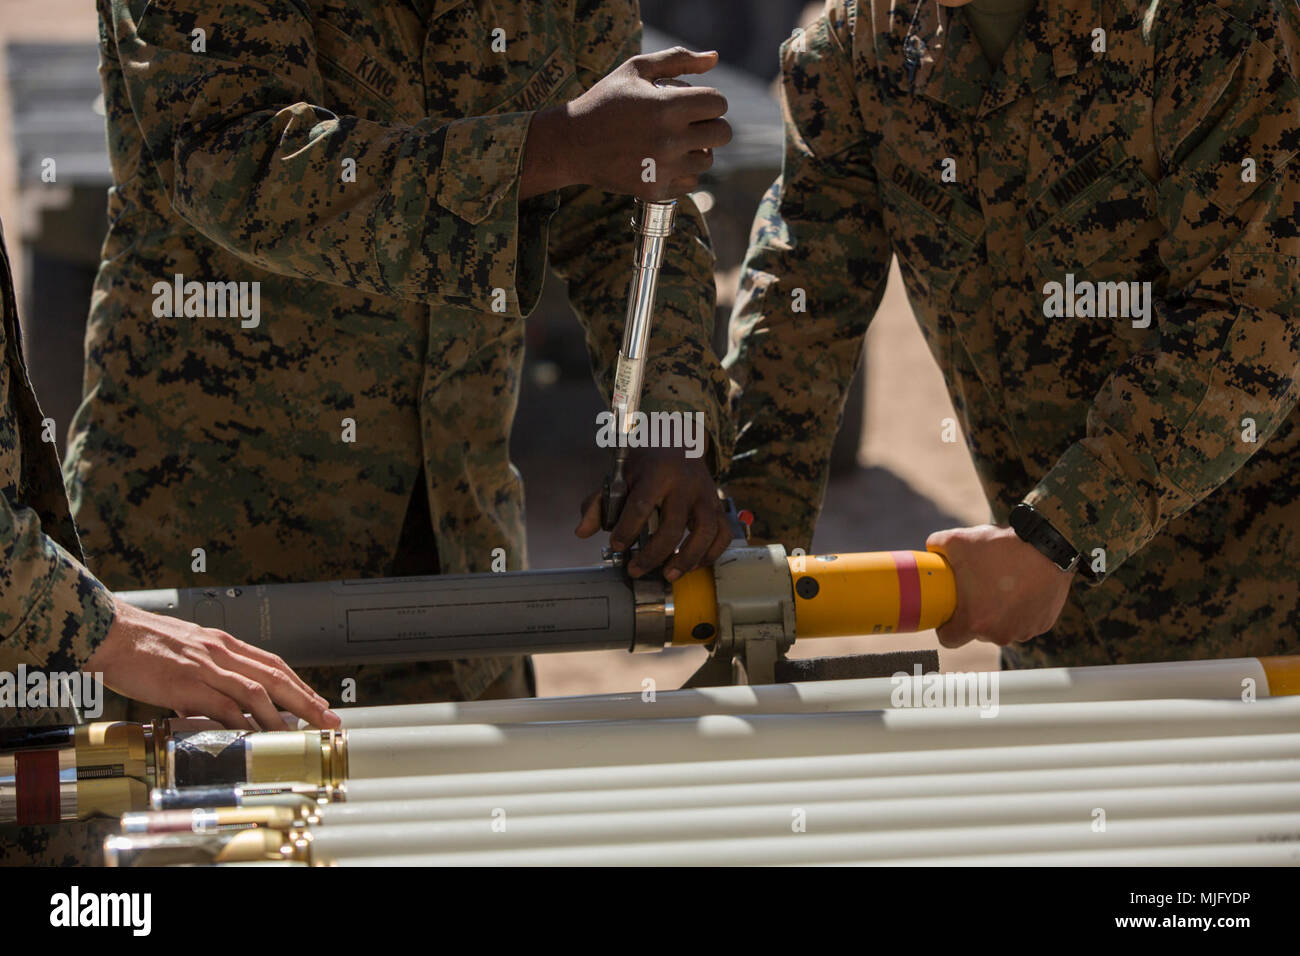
point(894, 480)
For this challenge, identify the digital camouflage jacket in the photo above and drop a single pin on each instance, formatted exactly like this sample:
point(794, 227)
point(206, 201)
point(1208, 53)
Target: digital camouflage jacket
point(53, 612)
point(359, 160)
point(1117, 143)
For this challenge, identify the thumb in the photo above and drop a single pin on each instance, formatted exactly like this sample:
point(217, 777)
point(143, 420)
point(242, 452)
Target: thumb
point(590, 522)
point(938, 542)
point(668, 63)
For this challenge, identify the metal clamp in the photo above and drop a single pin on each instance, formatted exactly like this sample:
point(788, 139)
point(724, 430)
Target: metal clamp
point(756, 623)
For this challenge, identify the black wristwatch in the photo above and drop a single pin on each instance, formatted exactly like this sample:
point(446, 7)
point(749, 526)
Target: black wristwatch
point(1032, 528)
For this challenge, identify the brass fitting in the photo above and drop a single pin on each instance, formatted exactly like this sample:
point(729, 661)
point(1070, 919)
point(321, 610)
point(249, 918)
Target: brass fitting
point(211, 758)
point(255, 845)
point(282, 818)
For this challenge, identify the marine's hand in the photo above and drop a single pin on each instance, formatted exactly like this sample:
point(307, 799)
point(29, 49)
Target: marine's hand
point(198, 671)
point(605, 136)
point(684, 491)
point(1007, 591)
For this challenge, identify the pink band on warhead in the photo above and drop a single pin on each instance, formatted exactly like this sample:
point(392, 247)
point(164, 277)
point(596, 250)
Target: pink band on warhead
point(909, 590)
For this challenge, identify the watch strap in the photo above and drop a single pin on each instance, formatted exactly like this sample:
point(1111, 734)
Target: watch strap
point(1034, 529)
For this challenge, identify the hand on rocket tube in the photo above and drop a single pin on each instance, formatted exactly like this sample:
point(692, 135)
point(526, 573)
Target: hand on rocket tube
point(686, 496)
point(200, 671)
point(1007, 591)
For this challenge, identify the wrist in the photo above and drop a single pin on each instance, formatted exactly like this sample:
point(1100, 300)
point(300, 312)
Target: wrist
point(549, 153)
point(127, 618)
point(1031, 527)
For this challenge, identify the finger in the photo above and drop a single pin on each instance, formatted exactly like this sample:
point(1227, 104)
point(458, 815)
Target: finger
point(672, 525)
point(590, 522)
point(674, 61)
point(938, 542)
point(720, 543)
point(261, 707)
point(952, 638)
point(693, 163)
point(704, 528)
point(274, 662)
point(680, 187)
point(300, 701)
point(232, 653)
point(644, 497)
point(695, 104)
point(711, 134)
point(247, 693)
point(204, 701)
point(307, 706)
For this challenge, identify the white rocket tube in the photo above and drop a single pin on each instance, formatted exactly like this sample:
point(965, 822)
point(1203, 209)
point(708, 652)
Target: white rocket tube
point(462, 748)
point(504, 828)
point(1224, 854)
point(1185, 679)
point(1004, 787)
point(966, 762)
point(812, 847)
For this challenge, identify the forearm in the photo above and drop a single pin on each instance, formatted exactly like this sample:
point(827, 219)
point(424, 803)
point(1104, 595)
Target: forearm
point(548, 154)
point(795, 346)
point(813, 278)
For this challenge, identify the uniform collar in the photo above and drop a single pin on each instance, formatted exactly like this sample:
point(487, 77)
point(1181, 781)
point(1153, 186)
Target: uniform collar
point(928, 49)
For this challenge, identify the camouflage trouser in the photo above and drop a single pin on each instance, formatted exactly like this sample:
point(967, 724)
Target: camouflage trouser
point(60, 844)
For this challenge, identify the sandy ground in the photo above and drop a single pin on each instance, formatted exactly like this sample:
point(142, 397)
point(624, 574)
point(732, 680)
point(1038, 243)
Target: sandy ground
point(910, 483)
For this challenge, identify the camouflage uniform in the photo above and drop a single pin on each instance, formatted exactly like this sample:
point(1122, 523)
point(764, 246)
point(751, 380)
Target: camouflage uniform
point(361, 161)
point(1118, 166)
point(53, 612)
